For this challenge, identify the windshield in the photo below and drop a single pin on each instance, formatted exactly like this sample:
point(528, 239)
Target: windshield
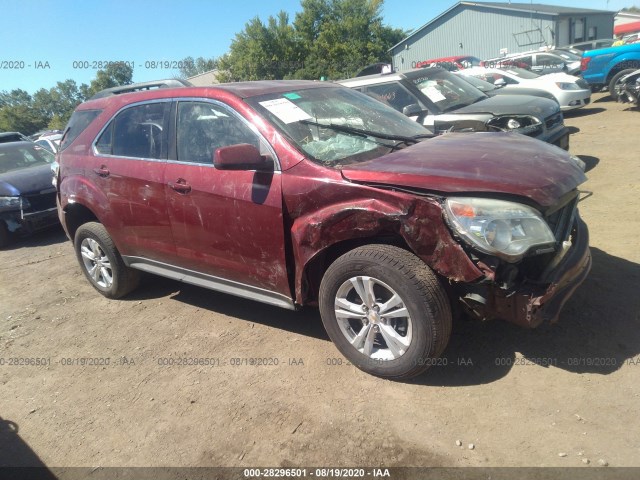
point(521, 73)
point(567, 55)
point(479, 84)
point(336, 126)
point(19, 157)
point(445, 90)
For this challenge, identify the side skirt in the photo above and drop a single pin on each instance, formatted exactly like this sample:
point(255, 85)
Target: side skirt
point(209, 281)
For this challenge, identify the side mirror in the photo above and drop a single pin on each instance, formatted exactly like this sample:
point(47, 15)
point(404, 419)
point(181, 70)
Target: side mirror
point(413, 110)
point(499, 82)
point(242, 156)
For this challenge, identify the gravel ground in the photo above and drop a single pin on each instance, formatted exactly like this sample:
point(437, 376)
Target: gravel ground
point(560, 396)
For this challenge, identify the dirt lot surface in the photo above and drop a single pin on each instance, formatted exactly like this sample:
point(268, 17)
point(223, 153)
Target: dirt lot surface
point(555, 396)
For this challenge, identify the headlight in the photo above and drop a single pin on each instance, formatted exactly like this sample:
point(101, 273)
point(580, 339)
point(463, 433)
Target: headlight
point(55, 169)
point(515, 123)
point(567, 86)
point(504, 229)
point(10, 202)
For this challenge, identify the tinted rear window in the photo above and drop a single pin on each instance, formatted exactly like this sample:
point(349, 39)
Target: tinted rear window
point(77, 124)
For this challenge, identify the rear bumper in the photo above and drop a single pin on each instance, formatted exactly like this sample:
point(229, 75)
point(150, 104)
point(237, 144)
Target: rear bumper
point(530, 305)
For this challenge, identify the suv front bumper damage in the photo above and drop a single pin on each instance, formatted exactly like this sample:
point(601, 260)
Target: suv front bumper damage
point(530, 303)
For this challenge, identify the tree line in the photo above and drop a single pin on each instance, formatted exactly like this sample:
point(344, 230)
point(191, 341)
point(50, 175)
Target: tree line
point(51, 108)
point(327, 39)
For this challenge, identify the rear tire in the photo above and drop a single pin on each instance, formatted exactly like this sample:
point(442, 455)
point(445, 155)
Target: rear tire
point(615, 79)
point(386, 311)
point(101, 262)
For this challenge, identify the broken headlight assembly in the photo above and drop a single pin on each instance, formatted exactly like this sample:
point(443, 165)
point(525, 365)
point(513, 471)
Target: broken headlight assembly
point(12, 202)
point(524, 124)
point(505, 229)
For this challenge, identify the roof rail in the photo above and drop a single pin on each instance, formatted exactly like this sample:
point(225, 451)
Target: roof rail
point(135, 87)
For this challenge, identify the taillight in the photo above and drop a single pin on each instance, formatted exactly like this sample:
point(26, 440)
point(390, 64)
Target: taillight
point(584, 63)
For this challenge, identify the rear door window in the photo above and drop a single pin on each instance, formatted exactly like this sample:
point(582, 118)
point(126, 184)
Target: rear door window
point(137, 132)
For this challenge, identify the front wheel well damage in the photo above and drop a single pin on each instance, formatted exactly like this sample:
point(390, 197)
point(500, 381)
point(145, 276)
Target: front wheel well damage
point(318, 265)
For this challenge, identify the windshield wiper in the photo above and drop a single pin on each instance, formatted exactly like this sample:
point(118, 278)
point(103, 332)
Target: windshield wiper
point(368, 133)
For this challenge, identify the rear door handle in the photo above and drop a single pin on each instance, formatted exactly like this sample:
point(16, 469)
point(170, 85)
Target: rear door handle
point(180, 186)
point(103, 171)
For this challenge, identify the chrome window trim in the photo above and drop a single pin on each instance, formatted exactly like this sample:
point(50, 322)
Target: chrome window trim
point(252, 127)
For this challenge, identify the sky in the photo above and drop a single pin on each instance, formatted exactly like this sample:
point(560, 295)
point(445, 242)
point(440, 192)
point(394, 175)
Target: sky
point(44, 41)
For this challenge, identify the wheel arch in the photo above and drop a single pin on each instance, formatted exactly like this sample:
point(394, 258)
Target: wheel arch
point(315, 268)
point(622, 65)
point(76, 215)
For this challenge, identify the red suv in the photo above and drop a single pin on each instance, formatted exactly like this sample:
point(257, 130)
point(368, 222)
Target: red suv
point(296, 192)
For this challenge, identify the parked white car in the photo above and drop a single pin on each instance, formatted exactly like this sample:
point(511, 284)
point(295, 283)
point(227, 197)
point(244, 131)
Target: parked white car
point(51, 142)
point(571, 92)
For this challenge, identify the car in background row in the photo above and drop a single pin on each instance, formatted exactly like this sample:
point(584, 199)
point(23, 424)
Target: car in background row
point(592, 44)
point(606, 66)
point(542, 63)
point(492, 90)
point(628, 88)
point(299, 193)
point(571, 92)
point(27, 196)
point(50, 141)
point(456, 62)
point(442, 102)
point(6, 137)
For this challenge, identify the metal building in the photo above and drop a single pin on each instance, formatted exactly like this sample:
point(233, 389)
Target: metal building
point(492, 29)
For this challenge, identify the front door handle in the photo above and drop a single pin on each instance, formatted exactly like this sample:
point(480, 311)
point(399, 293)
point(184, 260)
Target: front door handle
point(180, 186)
point(103, 171)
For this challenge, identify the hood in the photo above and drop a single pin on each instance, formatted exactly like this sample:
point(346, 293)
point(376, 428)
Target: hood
point(454, 163)
point(534, 92)
point(512, 105)
point(557, 77)
point(26, 180)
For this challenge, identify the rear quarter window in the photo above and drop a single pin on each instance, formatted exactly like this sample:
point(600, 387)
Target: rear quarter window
point(78, 122)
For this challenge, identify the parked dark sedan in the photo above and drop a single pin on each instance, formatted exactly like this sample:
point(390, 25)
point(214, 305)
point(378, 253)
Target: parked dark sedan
point(6, 137)
point(27, 195)
point(442, 102)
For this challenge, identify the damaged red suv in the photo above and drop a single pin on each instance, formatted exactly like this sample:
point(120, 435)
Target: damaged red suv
point(294, 193)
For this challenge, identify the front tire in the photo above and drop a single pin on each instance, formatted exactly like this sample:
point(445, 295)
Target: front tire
point(101, 262)
point(385, 310)
point(615, 79)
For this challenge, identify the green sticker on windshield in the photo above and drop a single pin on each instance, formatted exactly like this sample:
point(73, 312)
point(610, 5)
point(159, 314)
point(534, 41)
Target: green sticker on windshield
point(291, 96)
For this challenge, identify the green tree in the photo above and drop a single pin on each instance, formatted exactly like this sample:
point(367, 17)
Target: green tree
point(17, 113)
point(115, 75)
point(58, 103)
point(191, 68)
point(51, 108)
point(263, 51)
point(342, 36)
point(328, 38)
